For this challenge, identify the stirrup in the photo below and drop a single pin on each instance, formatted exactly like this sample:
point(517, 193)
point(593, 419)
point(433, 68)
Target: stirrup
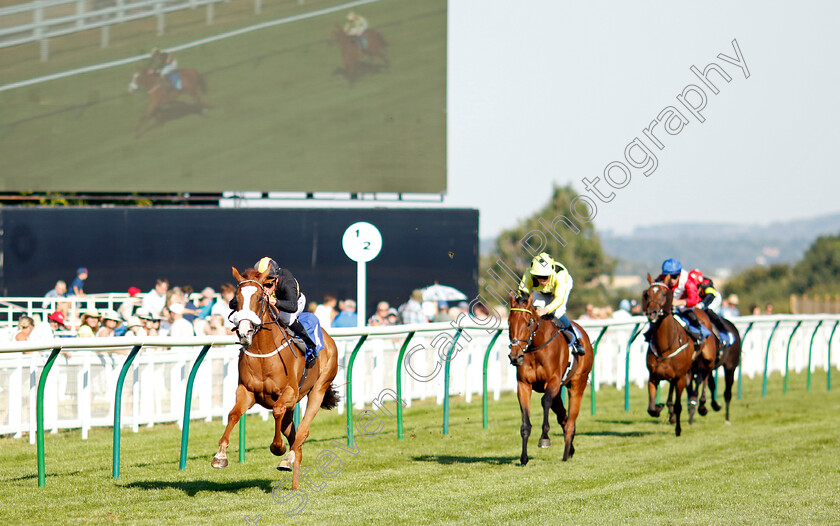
point(577, 348)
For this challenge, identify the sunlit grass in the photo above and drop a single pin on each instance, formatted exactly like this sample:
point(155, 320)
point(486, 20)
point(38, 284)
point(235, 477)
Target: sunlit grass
point(777, 463)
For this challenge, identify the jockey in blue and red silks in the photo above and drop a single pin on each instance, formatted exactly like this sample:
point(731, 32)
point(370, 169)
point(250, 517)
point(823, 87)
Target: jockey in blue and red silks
point(686, 296)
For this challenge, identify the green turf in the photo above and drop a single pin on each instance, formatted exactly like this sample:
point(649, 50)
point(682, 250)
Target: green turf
point(777, 463)
point(281, 118)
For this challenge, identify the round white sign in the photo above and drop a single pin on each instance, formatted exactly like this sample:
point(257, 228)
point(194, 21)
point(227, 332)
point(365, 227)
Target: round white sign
point(362, 242)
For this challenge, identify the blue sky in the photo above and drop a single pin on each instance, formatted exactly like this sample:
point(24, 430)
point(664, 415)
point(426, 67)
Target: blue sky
point(545, 92)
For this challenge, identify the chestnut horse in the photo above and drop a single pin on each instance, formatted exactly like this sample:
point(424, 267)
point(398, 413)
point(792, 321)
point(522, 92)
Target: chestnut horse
point(541, 355)
point(671, 353)
point(352, 52)
point(161, 92)
point(270, 372)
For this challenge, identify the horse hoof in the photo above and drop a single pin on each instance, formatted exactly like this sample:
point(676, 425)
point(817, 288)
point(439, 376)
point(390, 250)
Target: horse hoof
point(219, 463)
point(678, 431)
point(727, 422)
point(277, 451)
point(716, 406)
point(287, 464)
point(523, 460)
point(672, 419)
point(702, 410)
point(544, 443)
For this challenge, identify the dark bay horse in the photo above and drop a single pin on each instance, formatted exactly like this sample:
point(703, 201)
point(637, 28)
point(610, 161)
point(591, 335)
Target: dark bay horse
point(730, 359)
point(540, 353)
point(352, 52)
point(270, 370)
point(161, 92)
point(672, 355)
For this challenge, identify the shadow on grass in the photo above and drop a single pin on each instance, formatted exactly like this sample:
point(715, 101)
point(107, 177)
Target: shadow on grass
point(615, 433)
point(192, 487)
point(450, 459)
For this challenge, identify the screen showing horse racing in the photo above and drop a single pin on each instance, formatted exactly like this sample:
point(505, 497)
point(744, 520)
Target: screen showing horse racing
point(289, 96)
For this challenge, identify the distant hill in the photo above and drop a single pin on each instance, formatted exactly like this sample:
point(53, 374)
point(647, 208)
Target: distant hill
point(717, 248)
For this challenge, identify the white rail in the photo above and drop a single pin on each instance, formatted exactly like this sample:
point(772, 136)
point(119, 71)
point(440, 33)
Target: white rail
point(81, 387)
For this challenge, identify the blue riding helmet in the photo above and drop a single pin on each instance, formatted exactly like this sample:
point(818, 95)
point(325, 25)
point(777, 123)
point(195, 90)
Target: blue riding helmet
point(671, 266)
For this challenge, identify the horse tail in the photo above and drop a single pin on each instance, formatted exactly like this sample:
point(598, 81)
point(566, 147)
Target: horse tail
point(331, 398)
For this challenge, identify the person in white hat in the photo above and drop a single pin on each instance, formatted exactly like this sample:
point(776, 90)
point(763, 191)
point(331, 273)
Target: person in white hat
point(90, 323)
point(110, 321)
point(179, 327)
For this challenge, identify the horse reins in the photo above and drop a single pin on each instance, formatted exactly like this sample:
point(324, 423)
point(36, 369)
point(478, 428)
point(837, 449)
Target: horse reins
point(527, 349)
point(677, 336)
point(259, 326)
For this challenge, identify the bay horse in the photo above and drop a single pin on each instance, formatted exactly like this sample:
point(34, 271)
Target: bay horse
point(161, 92)
point(270, 373)
point(352, 52)
point(671, 353)
point(730, 359)
point(541, 359)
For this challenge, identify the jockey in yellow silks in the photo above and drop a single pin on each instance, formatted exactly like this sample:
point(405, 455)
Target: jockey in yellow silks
point(356, 26)
point(551, 284)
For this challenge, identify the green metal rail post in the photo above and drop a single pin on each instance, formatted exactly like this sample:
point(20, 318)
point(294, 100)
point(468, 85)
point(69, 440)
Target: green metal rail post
point(242, 428)
point(744, 337)
point(633, 336)
point(296, 417)
point(350, 388)
point(766, 357)
point(118, 410)
point(787, 354)
point(39, 415)
point(811, 348)
point(400, 432)
point(185, 430)
point(592, 376)
point(828, 364)
point(485, 421)
point(446, 382)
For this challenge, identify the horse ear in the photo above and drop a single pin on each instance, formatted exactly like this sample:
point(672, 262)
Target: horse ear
point(236, 275)
point(650, 280)
point(512, 298)
point(530, 301)
point(264, 275)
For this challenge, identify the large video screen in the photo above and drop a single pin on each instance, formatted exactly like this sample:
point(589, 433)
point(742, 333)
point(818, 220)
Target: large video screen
point(296, 105)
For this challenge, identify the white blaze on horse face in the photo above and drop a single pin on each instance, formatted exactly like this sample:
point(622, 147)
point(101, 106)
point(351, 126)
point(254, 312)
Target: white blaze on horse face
point(245, 332)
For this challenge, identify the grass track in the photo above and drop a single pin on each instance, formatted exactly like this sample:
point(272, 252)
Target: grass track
point(280, 118)
point(778, 463)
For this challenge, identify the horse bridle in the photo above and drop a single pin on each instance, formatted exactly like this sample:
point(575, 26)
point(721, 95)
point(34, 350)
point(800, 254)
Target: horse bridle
point(661, 312)
point(527, 348)
point(257, 326)
point(660, 315)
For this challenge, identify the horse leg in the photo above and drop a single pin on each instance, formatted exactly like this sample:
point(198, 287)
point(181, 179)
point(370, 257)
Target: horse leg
point(547, 403)
point(244, 401)
point(575, 396)
point(727, 392)
point(672, 419)
point(702, 407)
point(712, 388)
point(681, 383)
point(278, 447)
point(524, 393)
point(654, 409)
point(692, 383)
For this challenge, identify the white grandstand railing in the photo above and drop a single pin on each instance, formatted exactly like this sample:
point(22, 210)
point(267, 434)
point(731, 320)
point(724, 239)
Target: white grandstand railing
point(80, 390)
point(41, 20)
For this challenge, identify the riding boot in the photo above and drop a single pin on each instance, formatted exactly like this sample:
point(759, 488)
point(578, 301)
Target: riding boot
point(722, 329)
point(300, 332)
point(694, 324)
point(574, 343)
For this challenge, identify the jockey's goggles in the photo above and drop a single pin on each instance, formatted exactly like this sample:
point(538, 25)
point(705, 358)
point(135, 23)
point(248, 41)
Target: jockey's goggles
point(270, 283)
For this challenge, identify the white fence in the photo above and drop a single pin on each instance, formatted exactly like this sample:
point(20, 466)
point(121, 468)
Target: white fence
point(42, 20)
point(81, 386)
